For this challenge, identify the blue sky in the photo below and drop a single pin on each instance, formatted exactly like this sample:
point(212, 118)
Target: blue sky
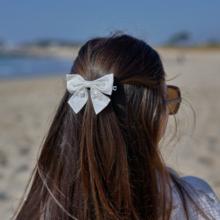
point(155, 21)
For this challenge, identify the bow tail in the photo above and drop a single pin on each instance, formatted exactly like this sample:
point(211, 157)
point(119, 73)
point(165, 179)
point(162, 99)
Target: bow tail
point(99, 100)
point(78, 99)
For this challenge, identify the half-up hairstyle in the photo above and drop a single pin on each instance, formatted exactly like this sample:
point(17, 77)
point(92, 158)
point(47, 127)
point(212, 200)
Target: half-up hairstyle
point(106, 166)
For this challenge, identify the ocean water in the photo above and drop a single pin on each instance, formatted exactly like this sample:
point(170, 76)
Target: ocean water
point(26, 67)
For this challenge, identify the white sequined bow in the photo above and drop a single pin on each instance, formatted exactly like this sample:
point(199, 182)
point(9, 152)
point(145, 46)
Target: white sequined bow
point(77, 86)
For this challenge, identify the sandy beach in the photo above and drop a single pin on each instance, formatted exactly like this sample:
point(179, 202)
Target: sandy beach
point(28, 106)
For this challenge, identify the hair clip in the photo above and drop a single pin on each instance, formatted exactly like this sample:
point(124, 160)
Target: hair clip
point(77, 86)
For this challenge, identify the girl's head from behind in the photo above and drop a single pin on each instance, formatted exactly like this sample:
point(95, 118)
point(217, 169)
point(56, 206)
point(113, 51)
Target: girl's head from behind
point(106, 165)
point(138, 73)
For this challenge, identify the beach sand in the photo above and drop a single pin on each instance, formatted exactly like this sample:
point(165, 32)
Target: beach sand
point(28, 106)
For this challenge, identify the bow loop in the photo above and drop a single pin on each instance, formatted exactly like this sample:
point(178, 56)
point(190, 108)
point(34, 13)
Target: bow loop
point(77, 86)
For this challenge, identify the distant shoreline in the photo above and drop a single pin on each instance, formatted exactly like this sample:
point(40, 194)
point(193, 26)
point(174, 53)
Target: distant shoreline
point(68, 52)
point(37, 51)
point(32, 61)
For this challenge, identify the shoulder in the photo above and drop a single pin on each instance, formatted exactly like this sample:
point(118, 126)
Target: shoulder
point(203, 194)
point(198, 184)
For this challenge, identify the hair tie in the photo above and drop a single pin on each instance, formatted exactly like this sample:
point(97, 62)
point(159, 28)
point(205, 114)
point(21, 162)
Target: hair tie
point(77, 86)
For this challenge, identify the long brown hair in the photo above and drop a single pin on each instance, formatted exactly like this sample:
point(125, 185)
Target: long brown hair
point(106, 166)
